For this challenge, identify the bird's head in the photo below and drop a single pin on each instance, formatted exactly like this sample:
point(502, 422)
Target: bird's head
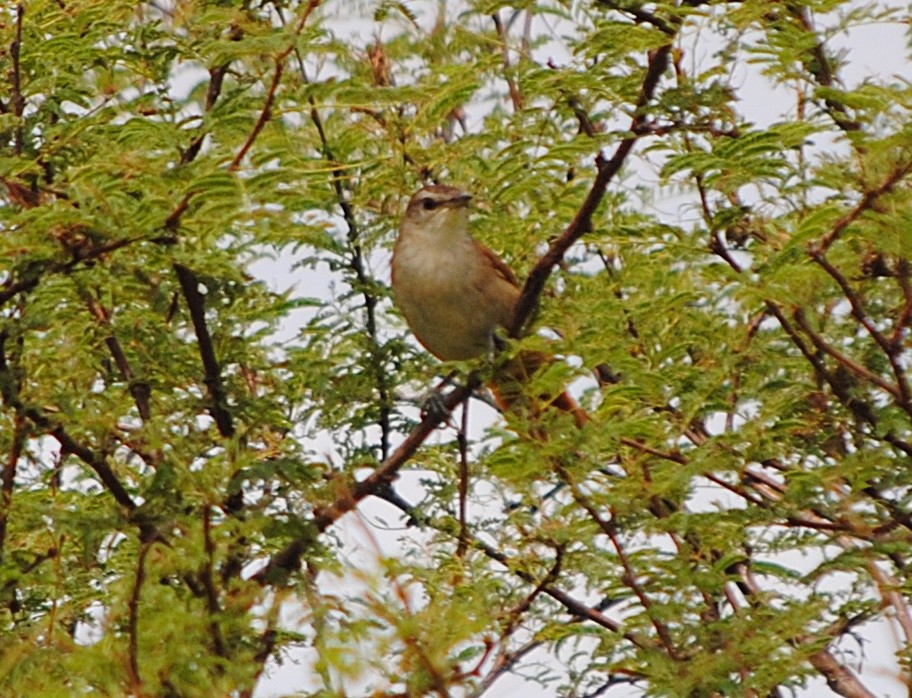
point(438, 210)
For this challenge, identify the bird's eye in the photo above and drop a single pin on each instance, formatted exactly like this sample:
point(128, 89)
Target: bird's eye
point(429, 204)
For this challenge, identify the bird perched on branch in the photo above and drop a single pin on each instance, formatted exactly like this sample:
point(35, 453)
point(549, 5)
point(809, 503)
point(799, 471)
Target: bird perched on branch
point(455, 293)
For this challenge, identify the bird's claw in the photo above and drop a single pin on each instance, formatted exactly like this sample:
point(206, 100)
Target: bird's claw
point(433, 406)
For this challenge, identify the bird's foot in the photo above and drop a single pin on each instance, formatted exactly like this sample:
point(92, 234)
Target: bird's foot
point(433, 406)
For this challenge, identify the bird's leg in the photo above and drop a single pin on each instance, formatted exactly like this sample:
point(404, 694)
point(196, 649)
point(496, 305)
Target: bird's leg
point(432, 404)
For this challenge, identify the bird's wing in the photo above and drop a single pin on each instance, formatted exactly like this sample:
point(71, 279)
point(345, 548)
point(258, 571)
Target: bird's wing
point(500, 266)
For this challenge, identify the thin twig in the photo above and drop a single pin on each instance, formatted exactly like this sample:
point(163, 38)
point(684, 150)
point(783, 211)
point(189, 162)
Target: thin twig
point(266, 112)
point(138, 389)
point(207, 580)
point(892, 349)
point(629, 578)
point(216, 79)
point(288, 559)
point(133, 620)
point(819, 67)
point(818, 341)
point(359, 267)
point(463, 441)
point(641, 15)
point(515, 95)
point(866, 203)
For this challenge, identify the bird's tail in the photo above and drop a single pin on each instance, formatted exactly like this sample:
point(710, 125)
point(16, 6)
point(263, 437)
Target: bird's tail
point(510, 379)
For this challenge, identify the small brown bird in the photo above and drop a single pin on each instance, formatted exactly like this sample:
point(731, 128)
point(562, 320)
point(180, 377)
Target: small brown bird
point(455, 293)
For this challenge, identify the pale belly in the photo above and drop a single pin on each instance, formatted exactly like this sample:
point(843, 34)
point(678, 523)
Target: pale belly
point(445, 303)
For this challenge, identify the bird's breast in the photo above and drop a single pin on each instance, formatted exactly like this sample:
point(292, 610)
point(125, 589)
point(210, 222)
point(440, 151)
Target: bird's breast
point(440, 288)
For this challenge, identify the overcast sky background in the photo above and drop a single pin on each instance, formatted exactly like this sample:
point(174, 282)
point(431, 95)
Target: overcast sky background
point(875, 52)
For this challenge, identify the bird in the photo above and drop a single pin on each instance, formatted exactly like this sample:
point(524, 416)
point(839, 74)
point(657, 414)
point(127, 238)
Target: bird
point(455, 294)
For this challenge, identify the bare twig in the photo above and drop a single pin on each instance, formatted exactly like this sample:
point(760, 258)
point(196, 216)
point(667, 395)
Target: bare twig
point(837, 676)
point(216, 79)
point(903, 271)
point(852, 365)
point(94, 460)
point(891, 348)
point(640, 15)
point(629, 577)
point(819, 67)
point(288, 559)
point(359, 267)
point(570, 604)
point(207, 580)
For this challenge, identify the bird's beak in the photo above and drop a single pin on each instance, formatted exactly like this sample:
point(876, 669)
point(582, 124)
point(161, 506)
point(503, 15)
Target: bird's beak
point(458, 201)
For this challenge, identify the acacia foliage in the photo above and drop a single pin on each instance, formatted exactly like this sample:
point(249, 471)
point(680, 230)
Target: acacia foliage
point(164, 491)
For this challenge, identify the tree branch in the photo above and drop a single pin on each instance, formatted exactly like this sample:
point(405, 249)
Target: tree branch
point(266, 112)
point(582, 222)
point(17, 101)
point(213, 375)
point(140, 390)
point(288, 559)
point(8, 478)
point(133, 621)
point(515, 95)
point(867, 202)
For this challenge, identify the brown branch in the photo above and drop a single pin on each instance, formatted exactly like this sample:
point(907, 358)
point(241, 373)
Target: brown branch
point(33, 275)
point(849, 363)
point(888, 346)
point(172, 222)
point(859, 408)
point(903, 271)
point(206, 579)
point(515, 613)
point(213, 375)
point(571, 605)
point(266, 112)
point(463, 441)
point(640, 15)
point(133, 621)
point(503, 664)
point(288, 559)
point(582, 222)
point(837, 676)
point(68, 444)
point(515, 95)
point(867, 202)
point(8, 479)
point(819, 68)
point(888, 586)
point(216, 79)
point(17, 101)
point(265, 116)
point(674, 457)
point(358, 266)
point(138, 389)
point(629, 578)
